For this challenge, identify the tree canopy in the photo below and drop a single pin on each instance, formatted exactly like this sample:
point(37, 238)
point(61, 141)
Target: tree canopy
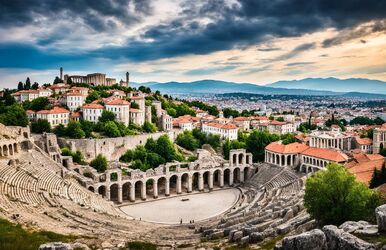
point(99, 163)
point(257, 141)
point(40, 126)
point(334, 196)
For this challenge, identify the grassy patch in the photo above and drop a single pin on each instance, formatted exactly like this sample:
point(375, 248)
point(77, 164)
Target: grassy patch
point(270, 244)
point(14, 237)
point(139, 245)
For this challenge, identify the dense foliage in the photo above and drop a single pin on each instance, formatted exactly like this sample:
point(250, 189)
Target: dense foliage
point(77, 156)
point(333, 121)
point(334, 196)
point(257, 141)
point(14, 237)
point(363, 120)
point(154, 153)
point(40, 126)
point(99, 163)
point(194, 139)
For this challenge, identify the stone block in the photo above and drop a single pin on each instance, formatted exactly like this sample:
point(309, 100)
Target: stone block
point(339, 239)
point(380, 214)
point(314, 239)
point(55, 246)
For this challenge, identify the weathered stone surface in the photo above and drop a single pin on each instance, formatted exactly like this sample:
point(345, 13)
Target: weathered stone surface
point(55, 246)
point(244, 241)
point(255, 237)
point(85, 247)
point(352, 226)
point(237, 236)
point(339, 239)
point(314, 239)
point(231, 234)
point(380, 214)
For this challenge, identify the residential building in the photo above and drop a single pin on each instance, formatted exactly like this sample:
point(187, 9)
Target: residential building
point(74, 100)
point(137, 117)
point(225, 131)
point(91, 112)
point(55, 116)
point(121, 109)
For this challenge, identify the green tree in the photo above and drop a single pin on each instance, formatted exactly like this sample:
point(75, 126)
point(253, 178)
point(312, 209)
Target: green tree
point(92, 97)
point(111, 129)
point(40, 126)
point(257, 141)
point(88, 127)
point(134, 105)
point(149, 127)
point(14, 115)
point(27, 83)
point(228, 145)
point(20, 86)
point(288, 138)
point(99, 163)
point(35, 85)
point(187, 140)
point(280, 119)
point(151, 145)
point(165, 148)
point(40, 103)
point(74, 130)
point(69, 81)
point(107, 116)
point(57, 80)
point(172, 112)
point(334, 196)
point(60, 130)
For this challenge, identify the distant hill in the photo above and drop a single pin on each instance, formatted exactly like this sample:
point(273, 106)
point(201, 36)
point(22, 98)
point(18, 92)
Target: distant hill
point(376, 88)
point(334, 84)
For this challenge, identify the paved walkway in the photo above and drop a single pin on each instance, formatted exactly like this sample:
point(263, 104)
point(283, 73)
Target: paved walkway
point(198, 207)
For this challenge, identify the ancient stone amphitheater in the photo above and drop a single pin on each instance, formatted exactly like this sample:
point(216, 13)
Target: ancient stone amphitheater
point(36, 190)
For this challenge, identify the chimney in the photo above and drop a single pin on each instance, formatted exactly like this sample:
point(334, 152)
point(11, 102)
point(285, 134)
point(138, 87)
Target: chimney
point(61, 73)
point(127, 79)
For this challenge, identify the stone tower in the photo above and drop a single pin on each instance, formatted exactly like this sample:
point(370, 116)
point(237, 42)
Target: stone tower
point(61, 73)
point(379, 139)
point(127, 79)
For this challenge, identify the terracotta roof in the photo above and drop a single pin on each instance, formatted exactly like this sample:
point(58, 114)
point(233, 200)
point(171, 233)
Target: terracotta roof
point(55, 86)
point(137, 97)
point(80, 88)
point(55, 110)
point(274, 122)
point(361, 157)
point(364, 141)
point(30, 111)
point(75, 114)
point(74, 94)
point(241, 118)
point(292, 148)
point(93, 106)
point(135, 110)
point(363, 171)
point(326, 154)
point(221, 126)
point(118, 102)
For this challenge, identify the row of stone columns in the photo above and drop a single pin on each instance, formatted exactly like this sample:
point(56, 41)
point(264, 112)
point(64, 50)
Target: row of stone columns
point(329, 143)
point(200, 182)
point(277, 159)
point(9, 149)
point(314, 161)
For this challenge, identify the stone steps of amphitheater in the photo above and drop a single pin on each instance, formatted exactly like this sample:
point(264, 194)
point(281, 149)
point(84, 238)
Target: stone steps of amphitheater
point(276, 207)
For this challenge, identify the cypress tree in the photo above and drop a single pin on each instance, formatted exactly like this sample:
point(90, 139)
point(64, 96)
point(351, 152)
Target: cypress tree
point(374, 179)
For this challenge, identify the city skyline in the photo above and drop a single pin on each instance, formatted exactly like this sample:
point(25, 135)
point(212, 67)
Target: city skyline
point(240, 41)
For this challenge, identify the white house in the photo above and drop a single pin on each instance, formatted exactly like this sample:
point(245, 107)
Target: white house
point(92, 112)
point(137, 116)
point(74, 100)
point(121, 109)
point(55, 116)
point(225, 131)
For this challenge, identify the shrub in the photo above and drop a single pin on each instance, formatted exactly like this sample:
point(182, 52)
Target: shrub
point(99, 163)
point(40, 126)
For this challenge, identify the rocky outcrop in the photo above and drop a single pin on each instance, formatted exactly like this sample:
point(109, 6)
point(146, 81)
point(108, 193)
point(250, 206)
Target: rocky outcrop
point(339, 239)
point(359, 227)
point(380, 214)
point(314, 239)
point(55, 246)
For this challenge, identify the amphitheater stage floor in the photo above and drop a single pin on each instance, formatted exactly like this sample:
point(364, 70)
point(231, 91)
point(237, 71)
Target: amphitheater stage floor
point(200, 206)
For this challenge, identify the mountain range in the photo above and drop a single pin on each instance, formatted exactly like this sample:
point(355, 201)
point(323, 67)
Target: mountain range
point(308, 86)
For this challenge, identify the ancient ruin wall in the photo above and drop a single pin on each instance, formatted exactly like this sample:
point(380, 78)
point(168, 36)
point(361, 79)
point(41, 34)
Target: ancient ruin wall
point(112, 148)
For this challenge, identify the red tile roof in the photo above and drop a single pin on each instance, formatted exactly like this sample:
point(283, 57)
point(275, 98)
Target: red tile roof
point(221, 126)
point(363, 170)
point(326, 154)
point(93, 106)
point(274, 122)
point(135, 110)
point(118, 102)
point(73, 94)
point(55, 110)
point(292, 148)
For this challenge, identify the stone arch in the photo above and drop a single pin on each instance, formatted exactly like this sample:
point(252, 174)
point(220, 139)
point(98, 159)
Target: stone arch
point(195, 178)
point(173, 183)
point(241, 158)
point(10, 149)
point(282, 160)
point(216, 178)
point(161, 185)
point(126, 191)
point(114, 192)
point(234, 159)
point(236, 175)
point(206, 176)
point(150, 188)
point(91, 188)
point(227, 173)
point(138, 187)
point(277, 159)
point(102, 191)
point(289, 160)
point(185, 182)
point(15, 148)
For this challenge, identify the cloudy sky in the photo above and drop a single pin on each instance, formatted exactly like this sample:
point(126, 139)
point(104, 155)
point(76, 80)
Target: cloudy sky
point(257, 41)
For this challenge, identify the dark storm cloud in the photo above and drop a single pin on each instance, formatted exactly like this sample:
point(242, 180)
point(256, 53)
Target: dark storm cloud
point(93, 13)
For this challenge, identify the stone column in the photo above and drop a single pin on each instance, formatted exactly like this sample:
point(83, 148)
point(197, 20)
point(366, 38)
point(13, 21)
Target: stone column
point(210, 181)
point(190, 184)
point(167, 187)
point(200, 182)
point(108, 193)
point(221, 176)
point(241, 176)
point(119, 193)
point(143, 191)
point(155, 189)
point(280, 160)
point(132, 192)
point(231, 177)
point(179, 189)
